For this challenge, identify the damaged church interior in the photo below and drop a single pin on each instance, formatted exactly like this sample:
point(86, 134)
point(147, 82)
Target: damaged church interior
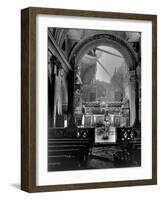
point(94, 99)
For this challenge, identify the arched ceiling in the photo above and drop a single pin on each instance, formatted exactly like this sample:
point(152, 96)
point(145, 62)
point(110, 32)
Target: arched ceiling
point(116, 42)
point(93, 39)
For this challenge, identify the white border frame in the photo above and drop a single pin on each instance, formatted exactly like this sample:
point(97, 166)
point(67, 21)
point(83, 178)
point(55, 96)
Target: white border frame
point(43, 177)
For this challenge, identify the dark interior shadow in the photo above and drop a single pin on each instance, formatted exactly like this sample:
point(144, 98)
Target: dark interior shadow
point(15, 185)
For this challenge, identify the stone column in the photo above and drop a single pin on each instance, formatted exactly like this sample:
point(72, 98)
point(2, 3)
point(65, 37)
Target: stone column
point(71, 90)
point(134, 99)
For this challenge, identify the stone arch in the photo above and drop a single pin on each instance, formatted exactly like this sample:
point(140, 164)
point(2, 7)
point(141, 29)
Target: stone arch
point(116, 42)
point(88, 43)
point(111, 40)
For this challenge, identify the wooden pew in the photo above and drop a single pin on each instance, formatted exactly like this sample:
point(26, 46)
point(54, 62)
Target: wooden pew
point(131, 151)
point(69, 148)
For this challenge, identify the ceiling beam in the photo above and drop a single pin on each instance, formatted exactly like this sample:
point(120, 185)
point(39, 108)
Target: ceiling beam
point(103, 68)
point(56, 51)
point(108, 52)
